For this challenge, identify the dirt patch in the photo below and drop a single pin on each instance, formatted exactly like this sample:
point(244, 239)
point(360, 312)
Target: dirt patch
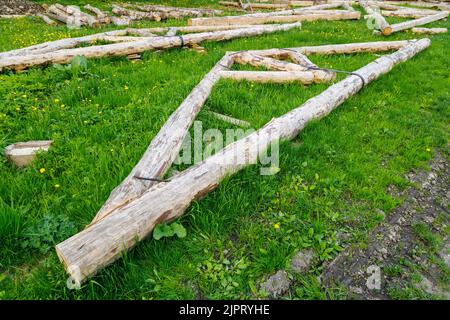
point(407, 244)
point(18, 7)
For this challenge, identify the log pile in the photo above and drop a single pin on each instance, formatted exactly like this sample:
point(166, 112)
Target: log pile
point(74, 17)
point(136, 206)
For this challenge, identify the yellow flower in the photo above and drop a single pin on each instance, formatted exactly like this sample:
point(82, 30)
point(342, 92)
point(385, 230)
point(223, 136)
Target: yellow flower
point(57, 186)
point(277, 225)
point(56, 100)
point(126, 87)
point(428, 150)
point(42, 170)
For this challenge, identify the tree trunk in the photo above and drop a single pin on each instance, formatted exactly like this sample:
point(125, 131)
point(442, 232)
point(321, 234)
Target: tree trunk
point(103, 242)
point(125, 49)
point(305, 77)
point(406, 14)
point(228, 119)
point(418, 22)
point(138, 15)
point(46, 19)
point(429, 30)
point(302, 63)
point(100, 14)
point(120, 21)
point(233, 20)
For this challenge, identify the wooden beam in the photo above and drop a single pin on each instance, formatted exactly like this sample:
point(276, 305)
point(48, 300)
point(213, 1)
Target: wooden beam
point(126, 49)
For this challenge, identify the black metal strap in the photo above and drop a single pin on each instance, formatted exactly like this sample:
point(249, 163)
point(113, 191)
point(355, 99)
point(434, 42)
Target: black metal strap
point(182, 41)
point(340, 71)
point(151, 179)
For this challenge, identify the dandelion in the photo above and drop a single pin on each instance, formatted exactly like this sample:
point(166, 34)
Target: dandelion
point(24, 96)
point(57, 186)
point(56, 100)
point(126, 87)
point(42, 170)
point(277, 225)
point(428, 149)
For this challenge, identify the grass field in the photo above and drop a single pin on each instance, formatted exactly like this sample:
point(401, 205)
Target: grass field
point(332, 182)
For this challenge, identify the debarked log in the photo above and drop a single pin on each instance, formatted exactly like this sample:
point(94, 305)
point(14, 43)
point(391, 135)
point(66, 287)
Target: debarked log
point(103, 242)
point(429, 30)
point(125, 49)
point(261, 19)
point(305, 77)
point(418, 22)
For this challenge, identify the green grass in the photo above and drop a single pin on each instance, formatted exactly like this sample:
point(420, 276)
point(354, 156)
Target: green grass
point(333, 176)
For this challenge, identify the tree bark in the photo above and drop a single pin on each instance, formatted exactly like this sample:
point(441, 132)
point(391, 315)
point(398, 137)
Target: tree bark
point(125, 49)
point(103, 242)
point(233, 20)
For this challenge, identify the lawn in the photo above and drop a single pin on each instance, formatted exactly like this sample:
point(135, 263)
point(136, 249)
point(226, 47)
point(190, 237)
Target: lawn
point(328, 194)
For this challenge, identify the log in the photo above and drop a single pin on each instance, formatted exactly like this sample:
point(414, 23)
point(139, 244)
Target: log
point(233, 20)
point(120, 21)
point(138, 15)
point(12, 16)
point(23, 153)
point(228, 119)
point(406, 14)
point(182, 11)
point(437, 5)
point(305, 77)
point(100, 14)
point(379, 22)
point(301, 3)
point(302, 63)
point(429, 30)
point(386, 6)
point(60, 44)
point(55, 12)
point(418, 22)
point(103, 242)
point(255, 5)
point(86, 18)
point(347, 48)
point(46, 19)
point(125, 49)
point(145, 32)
